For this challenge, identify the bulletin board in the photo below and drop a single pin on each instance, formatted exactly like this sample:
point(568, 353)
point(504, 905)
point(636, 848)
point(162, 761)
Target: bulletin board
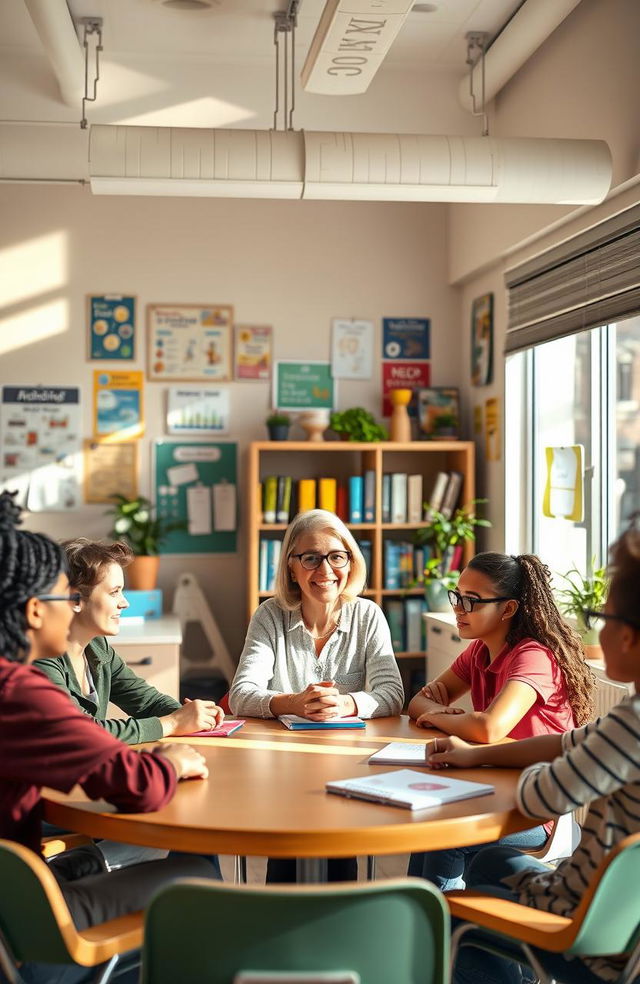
point(196, 482)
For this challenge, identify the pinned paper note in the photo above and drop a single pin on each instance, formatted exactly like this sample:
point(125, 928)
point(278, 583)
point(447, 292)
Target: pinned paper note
point(199, 510)
point(181, 474)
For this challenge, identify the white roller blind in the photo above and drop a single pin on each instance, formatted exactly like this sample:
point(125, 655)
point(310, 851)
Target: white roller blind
point(592, 279)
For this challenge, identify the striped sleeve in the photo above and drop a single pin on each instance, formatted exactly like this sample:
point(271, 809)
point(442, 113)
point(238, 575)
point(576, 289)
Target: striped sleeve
point(598, 760)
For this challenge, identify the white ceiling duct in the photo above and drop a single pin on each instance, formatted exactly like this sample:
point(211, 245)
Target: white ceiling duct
point(136, 160)
point(57, 32)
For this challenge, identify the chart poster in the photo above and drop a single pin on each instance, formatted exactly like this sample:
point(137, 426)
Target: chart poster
point(403, 375)
point(190, 342)
point(351, 349)
point(41, 444)
point(192, 410)
point(406, 338)
point(492, 429)
point(253, 352)
point(196, 486)
point(117, 405)
point(110, 468)
point(112, 326)
point(303, 386)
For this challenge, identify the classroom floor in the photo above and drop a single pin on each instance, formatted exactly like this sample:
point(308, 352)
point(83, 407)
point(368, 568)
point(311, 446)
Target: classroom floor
point(391, 866)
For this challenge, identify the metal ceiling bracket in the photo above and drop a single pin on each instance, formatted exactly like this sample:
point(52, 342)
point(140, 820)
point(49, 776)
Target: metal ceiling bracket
point(90, 26)
point(284, 34)
point(476, 50)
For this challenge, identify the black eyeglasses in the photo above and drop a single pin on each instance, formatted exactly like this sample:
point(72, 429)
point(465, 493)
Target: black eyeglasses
point(466, 602)
point(311, 561)
point(74, 598)
point(593, 618)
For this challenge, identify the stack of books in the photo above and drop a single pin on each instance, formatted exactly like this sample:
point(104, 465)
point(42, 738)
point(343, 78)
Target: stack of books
point(406, 624)
point(268, 559)
point(354, 502)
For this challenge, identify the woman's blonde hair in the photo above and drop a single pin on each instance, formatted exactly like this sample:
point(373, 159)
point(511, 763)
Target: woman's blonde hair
point(287, 592)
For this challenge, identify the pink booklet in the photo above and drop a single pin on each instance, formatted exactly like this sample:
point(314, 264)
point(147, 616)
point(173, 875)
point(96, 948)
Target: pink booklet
point(222, 731)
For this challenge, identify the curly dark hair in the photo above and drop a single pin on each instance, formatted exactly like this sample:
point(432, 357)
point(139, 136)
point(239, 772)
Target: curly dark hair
point(527, 580)
point(89, 559)
point(30, 564)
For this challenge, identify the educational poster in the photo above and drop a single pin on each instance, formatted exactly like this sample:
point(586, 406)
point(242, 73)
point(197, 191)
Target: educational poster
point(492, 429)
point(41, 445)
point(196, 483)
point(403, 375)
point(351, 349)
point(303, 386)
point(190, 342)
point(112, 326)
point(563, 494)
point(406, 338)
point(482, 340)
point(198, 411)
point(110, 468)
point(118, 405)
point(253, 352)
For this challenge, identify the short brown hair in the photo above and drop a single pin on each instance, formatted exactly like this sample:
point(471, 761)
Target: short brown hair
point(624, 570)
point(88, 559)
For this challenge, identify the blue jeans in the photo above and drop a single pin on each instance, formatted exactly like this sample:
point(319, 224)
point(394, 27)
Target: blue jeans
point(447, 869)
point(476, 966)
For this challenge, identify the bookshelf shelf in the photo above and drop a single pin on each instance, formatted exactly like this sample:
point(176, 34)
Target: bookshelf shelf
point(341, 460)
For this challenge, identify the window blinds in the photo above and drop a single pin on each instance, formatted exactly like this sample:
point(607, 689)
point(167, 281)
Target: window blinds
point(590, 280)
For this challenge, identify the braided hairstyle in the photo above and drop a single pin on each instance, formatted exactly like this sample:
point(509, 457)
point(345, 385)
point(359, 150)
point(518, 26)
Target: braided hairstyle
point(527, 580)
point(30, 564)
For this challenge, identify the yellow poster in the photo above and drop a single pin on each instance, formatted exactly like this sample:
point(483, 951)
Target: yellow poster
point(492, 429)
point(563, 497)
point(117, 405)
point(478, 419)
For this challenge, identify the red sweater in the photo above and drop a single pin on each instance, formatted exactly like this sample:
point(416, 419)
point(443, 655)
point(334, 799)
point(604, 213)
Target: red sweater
point(46, 741)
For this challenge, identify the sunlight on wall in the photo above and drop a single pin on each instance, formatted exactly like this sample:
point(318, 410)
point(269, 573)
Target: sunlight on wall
point(33, 324)
point(33, 268)
point(217, 112)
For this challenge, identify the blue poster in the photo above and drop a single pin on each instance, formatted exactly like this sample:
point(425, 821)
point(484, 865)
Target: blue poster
point(112, 327)
point(406, 338)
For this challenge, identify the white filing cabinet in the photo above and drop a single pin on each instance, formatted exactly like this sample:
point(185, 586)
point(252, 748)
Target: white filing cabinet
point(443, 645)
point(152, 650)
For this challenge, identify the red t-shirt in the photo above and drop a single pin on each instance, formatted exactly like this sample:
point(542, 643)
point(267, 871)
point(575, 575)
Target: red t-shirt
point(46, 741)
point(530, 662)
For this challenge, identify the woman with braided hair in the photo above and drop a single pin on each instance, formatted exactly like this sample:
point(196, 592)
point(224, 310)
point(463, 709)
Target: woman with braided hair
point(46, 740)
point(526, 672)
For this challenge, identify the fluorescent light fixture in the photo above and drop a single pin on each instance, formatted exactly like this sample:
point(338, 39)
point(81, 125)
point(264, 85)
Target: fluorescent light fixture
point(130, 160)
point(350, 43)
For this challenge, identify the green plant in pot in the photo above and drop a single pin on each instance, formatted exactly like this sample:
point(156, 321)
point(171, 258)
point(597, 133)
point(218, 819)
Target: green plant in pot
point(445, 425)
point(357, 424)
point(278, 424)
point(135, 523)
point(441, 534)
point(583, 592)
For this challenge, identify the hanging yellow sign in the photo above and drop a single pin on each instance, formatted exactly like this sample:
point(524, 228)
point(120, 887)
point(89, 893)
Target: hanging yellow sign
point(563, 493)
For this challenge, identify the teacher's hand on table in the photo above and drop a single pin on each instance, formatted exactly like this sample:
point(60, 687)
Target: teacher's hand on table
point(194, 715)
point(451, 751)
point(187, 762)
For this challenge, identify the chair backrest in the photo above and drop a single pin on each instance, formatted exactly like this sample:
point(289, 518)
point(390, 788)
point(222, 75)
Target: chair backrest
point(34, 917)
point(562, 842)
point(198, 931)
point(611, 921)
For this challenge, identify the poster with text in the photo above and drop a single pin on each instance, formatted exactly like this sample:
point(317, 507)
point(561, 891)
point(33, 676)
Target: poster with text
point(253, 355)
point(118, 405)
point(41, 444)
point(112, 326)
point(110, 468)
point(403, 375)
point(406, 338)
point(351, 349)
point(190, 342)
point(303, 386)
point(192, 410)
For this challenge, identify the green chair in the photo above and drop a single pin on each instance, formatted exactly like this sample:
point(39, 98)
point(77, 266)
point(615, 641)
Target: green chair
point(36, 925)
point(394, 932)
point(607, 920)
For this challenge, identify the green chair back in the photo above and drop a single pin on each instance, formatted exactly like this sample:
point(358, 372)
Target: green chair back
point(395, 931)
point(612, 921)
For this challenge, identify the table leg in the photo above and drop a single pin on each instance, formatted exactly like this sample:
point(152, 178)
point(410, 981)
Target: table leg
point(311, 870)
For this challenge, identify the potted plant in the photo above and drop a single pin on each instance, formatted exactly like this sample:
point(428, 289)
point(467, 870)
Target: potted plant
point(357, 424)
point(135, 523)
point(441, 536)
point(583, 591)
point(445, 425)
point(278, 425)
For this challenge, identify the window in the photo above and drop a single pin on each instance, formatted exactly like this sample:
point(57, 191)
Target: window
point(626, 466)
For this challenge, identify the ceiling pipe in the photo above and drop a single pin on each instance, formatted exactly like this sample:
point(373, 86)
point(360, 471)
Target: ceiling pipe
point(529, 27)
point(56, 30)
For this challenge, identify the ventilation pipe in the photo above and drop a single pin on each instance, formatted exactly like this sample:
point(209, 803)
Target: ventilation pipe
point(57, 32)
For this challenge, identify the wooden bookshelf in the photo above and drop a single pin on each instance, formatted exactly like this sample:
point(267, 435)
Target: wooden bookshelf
point(340, 459)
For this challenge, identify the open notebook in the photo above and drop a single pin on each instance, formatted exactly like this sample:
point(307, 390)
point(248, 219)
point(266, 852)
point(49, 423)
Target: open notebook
point(222, 731)
point(409, 789)
point(401, 753)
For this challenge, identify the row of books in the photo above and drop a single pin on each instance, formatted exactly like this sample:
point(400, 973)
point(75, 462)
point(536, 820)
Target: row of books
point(269, 557)
point(406, 624)
point(404, 562)
point(355, 501)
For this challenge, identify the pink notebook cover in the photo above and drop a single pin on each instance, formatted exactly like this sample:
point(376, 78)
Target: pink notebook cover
point(222, 731)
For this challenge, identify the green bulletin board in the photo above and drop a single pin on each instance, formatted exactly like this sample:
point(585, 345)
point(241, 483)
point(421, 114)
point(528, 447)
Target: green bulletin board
point(303, 386)
point(189, 476)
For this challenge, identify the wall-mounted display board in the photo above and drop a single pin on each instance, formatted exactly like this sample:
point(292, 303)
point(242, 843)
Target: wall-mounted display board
point(304, 386)
point(110, 468)
point(198, 410)
point(190, 342)
point(112, 326)
point(196, 484)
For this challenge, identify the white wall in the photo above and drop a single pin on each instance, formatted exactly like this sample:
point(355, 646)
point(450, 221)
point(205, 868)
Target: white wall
point(294, 265)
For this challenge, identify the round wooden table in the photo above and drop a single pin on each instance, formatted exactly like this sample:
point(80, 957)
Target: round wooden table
point(266, 796)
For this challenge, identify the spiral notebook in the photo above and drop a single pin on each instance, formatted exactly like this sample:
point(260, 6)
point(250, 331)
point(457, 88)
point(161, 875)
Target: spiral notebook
point(409, 789)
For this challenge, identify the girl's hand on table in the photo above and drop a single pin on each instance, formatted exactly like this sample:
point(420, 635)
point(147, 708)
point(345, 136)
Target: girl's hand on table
point(186, 761)
point(451, 751)
point(429, 719)
point(436, 692)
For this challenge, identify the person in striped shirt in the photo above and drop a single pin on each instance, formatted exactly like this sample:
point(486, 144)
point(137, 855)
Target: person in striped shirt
point(597, 765)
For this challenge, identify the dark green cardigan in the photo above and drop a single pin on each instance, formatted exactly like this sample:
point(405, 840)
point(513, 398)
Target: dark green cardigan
point(115, 682)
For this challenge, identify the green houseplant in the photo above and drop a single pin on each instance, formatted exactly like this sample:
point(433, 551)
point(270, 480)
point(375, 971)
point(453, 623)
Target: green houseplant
point(357, 424)
point(278, 424)
point(441, 535)
point(135, 523)
point(583, 591)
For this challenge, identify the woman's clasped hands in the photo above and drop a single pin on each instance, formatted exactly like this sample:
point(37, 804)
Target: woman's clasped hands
point(323, 702)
